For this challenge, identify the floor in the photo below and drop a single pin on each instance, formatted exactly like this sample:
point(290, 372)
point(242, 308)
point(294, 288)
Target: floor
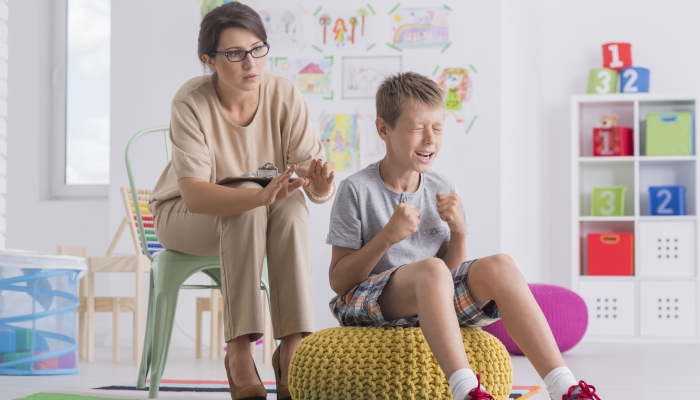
point(619, 372)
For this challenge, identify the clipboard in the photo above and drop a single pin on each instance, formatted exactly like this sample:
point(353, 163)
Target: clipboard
point(262, 181)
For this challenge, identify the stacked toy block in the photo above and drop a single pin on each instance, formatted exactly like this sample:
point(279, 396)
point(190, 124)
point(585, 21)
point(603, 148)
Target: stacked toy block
point(618, 71)
point(17, 344)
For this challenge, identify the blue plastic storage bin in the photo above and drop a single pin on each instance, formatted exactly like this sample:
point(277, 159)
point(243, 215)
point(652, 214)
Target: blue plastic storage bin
point(667, 200)
point(38, 303)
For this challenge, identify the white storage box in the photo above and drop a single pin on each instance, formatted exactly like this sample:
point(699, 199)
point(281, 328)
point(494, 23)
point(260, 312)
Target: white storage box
point(666, 248)
point(668, 309)
point(610, 306)
point(38, 302)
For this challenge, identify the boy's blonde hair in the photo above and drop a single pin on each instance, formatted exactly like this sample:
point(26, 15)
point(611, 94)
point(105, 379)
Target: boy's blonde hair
point(398, 90)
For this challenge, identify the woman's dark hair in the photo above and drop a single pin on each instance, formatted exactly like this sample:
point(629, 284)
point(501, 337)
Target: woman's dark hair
point(229, 15)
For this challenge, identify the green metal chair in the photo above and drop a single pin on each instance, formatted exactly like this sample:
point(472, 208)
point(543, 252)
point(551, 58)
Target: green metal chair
point(169, 271)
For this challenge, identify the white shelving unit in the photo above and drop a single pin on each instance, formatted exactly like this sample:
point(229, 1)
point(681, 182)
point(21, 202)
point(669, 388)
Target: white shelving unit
point(660, 303)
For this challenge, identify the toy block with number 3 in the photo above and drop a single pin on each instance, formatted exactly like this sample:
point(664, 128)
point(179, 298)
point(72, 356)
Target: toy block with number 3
point(608, 201)
point(667, 200)
point(617, 55)
point(634, 80)
point(602, 81)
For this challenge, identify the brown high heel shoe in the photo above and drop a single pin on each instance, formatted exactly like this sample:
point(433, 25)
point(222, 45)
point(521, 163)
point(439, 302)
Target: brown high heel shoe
point(250, 392)
point(282, 390)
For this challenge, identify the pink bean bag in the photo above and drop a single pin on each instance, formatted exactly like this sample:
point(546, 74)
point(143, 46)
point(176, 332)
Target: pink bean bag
point(566, 314)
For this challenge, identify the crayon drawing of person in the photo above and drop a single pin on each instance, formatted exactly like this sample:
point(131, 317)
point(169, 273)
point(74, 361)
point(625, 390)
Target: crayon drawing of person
point(457, 86)
point(339, 29)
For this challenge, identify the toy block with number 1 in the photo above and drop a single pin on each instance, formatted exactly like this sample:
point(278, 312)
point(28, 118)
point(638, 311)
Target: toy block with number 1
point(615, 141)
point(608, 201)
point(634, 80)
point(602, 81)
point(617, 55)
point(611, 254)
point(667, 200)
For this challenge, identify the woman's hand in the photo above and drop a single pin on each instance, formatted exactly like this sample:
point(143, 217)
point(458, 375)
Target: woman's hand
point(280, 188)
point(319, 180)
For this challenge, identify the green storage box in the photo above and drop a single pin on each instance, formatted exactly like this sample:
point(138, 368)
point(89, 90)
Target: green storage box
point(670, 134)
point(608, 201)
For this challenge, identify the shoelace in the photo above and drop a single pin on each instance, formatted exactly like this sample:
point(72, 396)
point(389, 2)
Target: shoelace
point(587, 392)
point(477, 393)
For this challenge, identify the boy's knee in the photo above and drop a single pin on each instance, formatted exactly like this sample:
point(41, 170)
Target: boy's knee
point(433, 270)
point(502, 266)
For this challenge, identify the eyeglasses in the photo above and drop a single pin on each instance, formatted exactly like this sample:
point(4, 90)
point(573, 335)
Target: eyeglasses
point(240, 55)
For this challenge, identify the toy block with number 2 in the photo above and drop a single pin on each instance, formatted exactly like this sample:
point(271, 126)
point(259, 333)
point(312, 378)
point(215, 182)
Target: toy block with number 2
point(608, 201)
point(667, 200)
point(602, 81)
point(614, 141)
point(634, 80)
point(617, 55)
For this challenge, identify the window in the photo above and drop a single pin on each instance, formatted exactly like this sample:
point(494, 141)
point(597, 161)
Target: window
point(81, 100)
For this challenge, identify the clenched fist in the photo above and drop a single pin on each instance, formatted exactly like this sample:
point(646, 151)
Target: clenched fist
point(450, 210)
point(403, 223)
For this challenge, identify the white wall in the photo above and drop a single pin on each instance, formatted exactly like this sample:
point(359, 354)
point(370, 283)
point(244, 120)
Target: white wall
point(522, 124)
point(33, 221)
point(4, 12)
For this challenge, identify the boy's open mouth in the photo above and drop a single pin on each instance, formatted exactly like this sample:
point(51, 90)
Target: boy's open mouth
point(424, 155)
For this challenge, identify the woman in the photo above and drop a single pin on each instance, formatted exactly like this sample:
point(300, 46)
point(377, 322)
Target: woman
point(225, 125)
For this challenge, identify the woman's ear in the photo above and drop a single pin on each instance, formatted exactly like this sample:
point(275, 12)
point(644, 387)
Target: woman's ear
point(209, 61)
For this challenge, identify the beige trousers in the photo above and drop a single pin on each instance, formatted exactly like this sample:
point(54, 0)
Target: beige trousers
point(281, 231)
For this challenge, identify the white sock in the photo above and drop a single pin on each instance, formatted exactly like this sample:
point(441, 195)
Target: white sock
point(461, 382)
point(558, 382)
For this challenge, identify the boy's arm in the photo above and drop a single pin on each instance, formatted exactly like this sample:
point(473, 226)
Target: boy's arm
point(351, 267)
point(454, 252)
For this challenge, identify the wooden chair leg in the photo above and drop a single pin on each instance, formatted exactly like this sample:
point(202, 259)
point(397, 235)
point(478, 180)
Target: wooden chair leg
point(214, 351)
point(115, 329)
point(198, 331)
point(221, 340)
point(82, 332)
point(82, 316)
point(91, 317)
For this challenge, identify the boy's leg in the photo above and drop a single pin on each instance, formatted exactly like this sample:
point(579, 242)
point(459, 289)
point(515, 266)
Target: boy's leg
point(425, 288)
point(498, 278)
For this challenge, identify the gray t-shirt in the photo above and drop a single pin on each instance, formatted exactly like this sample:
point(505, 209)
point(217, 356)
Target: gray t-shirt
point(364, 205)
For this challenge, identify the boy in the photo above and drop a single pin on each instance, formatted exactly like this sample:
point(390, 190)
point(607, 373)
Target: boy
point(398, 233)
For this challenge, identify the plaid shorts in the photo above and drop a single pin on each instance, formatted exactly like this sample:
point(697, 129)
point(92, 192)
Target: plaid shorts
point(360, 306)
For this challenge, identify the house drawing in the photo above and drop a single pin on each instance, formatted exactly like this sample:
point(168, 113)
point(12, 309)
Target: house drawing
point(311, 79)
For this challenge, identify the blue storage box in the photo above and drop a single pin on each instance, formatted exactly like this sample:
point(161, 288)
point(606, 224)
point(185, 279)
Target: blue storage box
point(667, 200)
point(38, 308)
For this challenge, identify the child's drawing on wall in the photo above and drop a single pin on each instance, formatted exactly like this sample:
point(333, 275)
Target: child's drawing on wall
point(420, 27)
point(312, 76)
point(340, 135)
point(324, 21)
point(283, 27)
point(457, 86)
point(339, 30)
point(362, 75)
point(344, 28)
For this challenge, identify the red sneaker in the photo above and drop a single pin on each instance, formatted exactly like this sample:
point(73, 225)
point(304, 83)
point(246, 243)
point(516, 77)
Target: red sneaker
point(477, 393)
point(581, 391)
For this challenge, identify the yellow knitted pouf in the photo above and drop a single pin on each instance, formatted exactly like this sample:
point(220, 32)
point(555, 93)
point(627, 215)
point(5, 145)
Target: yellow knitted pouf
point(358, 363)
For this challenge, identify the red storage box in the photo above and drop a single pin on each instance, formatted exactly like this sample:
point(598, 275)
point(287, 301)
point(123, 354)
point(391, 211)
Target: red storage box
point(611, 254)
point(615, 141)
